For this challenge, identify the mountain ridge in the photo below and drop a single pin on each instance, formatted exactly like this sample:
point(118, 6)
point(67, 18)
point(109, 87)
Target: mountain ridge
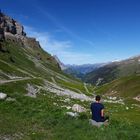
point(115, 70)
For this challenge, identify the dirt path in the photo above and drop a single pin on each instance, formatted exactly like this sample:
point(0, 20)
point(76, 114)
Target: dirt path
point(53, 80)
point(14, 80)
point(86, 88)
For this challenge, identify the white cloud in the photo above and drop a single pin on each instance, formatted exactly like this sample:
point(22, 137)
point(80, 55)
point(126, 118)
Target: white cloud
point(76, 58)
point(59, 48)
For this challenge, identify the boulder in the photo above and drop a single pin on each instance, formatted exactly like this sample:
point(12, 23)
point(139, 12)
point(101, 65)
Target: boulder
point(32, 91)
point(78, 108)
point(2, 96)
point(98, 124)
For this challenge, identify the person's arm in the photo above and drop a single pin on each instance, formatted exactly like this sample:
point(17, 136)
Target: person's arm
point(102, 113)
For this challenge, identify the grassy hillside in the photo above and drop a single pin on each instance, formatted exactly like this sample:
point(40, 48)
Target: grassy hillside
point(18, 61)
point(126, 87)
point(40, 119)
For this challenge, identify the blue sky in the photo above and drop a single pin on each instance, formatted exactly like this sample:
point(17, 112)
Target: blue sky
point(81, 31)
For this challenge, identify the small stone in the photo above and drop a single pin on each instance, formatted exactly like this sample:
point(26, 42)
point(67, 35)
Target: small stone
point(67, 100)
point(55, 104)
point(67, 107)
point(72, 114)
point(2, 96)
point(10, 99)
point(127, 108)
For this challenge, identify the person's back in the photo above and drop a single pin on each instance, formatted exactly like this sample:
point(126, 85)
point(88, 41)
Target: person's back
point(97, 110)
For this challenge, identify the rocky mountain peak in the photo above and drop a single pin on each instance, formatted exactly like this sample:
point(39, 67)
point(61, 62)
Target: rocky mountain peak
point(11, 29)
point(8, 24)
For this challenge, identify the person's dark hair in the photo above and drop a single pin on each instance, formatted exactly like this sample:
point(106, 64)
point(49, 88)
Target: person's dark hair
point(98, 98)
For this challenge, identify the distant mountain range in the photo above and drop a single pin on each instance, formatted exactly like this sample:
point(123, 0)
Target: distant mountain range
point(114, 70)
point(80, 70)
point(102, 73)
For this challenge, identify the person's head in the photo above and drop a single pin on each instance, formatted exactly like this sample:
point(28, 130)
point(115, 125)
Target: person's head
point(98, 98)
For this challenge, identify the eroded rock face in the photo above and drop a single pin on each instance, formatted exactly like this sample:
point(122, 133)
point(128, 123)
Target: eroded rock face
point(14, 31)
point(1, 33)
point(11, 29)
point(31, 42)
point(10, 25)
point(19, 29)
point(10, 36)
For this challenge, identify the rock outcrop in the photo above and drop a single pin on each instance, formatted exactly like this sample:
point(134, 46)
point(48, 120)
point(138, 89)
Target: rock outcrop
point(8, 24)
point(30, 42)
point(14, 31)
point(11, 30)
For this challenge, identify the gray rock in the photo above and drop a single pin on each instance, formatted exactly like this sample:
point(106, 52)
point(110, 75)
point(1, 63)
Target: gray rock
point(97, 124)
point(78, 108)
point(19, 28)
point(2, 96)
point(32, 91)
point(10, 36)
point(10, 25)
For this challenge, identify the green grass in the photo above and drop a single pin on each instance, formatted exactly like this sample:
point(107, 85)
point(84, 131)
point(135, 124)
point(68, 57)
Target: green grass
point(127, 87)
point(38, 119)
point(21, 60)
point(10, 70)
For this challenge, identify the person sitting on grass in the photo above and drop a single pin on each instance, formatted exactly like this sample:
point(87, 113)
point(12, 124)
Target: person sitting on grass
point(97, 110)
